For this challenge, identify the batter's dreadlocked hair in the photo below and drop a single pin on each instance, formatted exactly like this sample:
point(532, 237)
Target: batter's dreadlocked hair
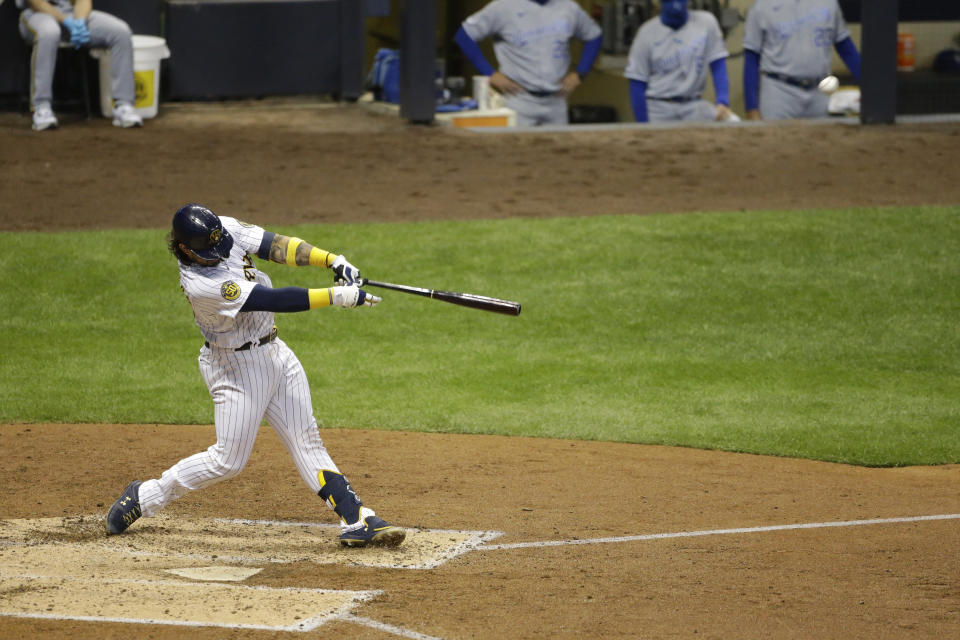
point(172, 245)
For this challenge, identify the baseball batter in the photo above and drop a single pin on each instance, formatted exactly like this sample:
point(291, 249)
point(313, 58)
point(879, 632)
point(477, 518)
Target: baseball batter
point(532, 46)
point(45, 23)
point(250, 372)
point(789, 43)
point(667, 66)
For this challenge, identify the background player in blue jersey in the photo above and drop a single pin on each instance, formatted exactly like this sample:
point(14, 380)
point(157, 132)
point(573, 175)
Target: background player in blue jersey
point(787, 48)
point(532, 46)
point(667, 66)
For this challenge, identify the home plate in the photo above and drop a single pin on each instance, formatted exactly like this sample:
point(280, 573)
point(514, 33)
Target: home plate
point(220, 574)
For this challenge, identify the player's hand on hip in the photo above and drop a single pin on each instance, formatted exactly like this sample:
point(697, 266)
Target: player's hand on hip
point(504, 85)
point(344, 273)
point(570, 82)
point(353, 296)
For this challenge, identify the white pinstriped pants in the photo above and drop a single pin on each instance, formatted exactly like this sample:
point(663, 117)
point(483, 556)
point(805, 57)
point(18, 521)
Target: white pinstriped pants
point(246, 386)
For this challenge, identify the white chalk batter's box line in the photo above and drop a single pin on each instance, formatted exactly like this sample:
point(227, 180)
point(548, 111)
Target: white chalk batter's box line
point(717, 532)
point(476, 540)
point(309, 624)
point(346, 617)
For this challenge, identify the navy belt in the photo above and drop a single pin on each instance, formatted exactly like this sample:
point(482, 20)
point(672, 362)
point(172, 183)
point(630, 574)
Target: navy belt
point(542, 94)
point(270, 337)
point(675, 98)
point(803, 83)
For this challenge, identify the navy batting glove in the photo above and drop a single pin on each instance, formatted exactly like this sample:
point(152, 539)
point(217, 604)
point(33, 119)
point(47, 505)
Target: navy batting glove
point(344, 273)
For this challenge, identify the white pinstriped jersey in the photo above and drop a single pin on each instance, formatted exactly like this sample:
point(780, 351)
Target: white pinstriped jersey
point(795, 37)
point(217, 293)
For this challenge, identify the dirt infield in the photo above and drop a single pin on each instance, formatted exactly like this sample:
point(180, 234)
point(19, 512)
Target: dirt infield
point(876, 580)
point(509, 537)
point(303, 163)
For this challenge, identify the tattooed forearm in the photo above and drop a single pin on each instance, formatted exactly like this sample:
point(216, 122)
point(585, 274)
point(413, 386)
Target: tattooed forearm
point(303, 254)
point(280, 250)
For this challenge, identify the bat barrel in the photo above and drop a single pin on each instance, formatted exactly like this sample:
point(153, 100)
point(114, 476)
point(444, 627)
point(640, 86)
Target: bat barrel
point(473, 301)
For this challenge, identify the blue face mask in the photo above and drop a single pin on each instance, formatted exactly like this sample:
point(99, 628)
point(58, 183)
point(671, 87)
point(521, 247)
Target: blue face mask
point(673, 13)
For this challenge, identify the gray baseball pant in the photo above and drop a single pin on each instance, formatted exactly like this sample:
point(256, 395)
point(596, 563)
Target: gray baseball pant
point(106, 31)
point(779, 101)
point(534, 111)
point(693, 111)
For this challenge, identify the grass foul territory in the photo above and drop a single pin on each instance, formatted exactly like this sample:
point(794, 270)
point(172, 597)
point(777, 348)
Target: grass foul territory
point(817, 334)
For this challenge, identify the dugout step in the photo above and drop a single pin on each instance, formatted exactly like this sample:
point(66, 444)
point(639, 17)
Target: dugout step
point(468, 118)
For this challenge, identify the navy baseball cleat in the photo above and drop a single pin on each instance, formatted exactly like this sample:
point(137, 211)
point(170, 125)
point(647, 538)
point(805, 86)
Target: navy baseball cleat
point(126, 510)
point(373, 532)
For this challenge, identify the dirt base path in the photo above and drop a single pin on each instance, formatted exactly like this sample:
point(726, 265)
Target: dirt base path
point(584, 539)
point(509, 537)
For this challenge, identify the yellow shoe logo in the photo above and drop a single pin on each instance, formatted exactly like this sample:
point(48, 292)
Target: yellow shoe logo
point(130, 517)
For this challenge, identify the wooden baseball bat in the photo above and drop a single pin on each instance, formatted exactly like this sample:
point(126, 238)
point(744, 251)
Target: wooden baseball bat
point(485, 303)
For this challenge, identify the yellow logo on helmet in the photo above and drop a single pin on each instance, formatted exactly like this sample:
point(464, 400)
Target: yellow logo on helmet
point(230, 291)
point(215, 236)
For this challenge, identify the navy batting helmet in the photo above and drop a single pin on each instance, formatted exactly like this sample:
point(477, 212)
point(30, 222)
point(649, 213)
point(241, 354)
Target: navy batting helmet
point(200, 231)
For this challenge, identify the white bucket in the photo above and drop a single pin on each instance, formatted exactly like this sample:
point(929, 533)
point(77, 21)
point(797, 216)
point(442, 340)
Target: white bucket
point(148, 51)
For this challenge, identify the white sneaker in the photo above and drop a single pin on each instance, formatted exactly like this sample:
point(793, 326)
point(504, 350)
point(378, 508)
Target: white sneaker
point(124, 115)
point(43, 117)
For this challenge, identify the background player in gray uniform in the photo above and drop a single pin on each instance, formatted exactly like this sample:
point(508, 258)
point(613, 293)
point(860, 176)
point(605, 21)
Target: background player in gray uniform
point(532, 46)
point(250, 372)
point(45, 23)
point(789, 42)
point(667, 66)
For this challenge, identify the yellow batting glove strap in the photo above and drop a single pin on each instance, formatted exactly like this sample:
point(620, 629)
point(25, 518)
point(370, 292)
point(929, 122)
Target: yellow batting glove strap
point(321, 258)
point(292, 251)
point(320, 297)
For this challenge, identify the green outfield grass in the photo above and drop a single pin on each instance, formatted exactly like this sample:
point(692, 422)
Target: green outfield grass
point(822, 334)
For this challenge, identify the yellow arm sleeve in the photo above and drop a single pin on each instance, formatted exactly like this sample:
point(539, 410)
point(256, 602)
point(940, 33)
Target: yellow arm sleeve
point(295, 252)
point(292, 251)
point(321, 258)
point(320, 297)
